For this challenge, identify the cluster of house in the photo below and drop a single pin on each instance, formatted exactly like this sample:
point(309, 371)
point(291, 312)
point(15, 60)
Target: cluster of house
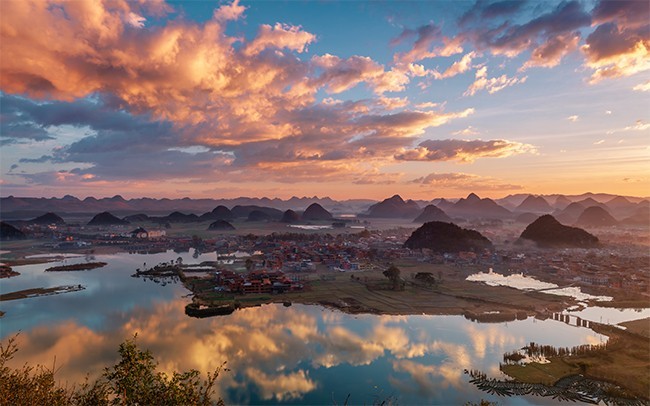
point(600, 268)
point(257, 281)
point(141, 233)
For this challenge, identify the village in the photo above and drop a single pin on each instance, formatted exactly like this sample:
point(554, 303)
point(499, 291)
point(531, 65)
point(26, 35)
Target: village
point(282, 258)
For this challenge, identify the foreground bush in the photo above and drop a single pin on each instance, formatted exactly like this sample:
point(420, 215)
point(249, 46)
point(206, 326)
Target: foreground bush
point(132, 381)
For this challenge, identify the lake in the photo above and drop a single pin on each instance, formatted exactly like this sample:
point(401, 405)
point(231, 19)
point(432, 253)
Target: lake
point(299, 354)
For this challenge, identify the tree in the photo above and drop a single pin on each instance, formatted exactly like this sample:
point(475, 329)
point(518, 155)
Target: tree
point(249, 264)
point(393, 273)
point(132, 381)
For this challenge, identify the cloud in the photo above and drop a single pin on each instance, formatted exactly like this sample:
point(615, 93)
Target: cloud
point(512, 39)
point(280, 36)
point(639, 125)
point(573, 118)
point(550, 53)
point(340, 74)
point(627, 13)
point(429, 43)
point(599, 142)
point(463, 151)
point(464, 181)
point(467, 131)
point(42, 159)
point(485, 10)
point(392, 103)
point(492, 85)
point(620, 44)
point(463, 65)
point(427, 105)
point(142, 96)
point(229, 12)
point(642, 87)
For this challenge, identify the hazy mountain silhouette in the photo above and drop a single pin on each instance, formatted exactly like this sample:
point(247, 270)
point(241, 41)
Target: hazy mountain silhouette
point(137, 218)
point(590, 202)
point(561, 202)
point(244, 211)
point(394, 207)
point(474, 207)
point(444, 205)
point(432, 213)
point(444, 237)
point(47, 218)
point(316, 212)
point(526, 218)
point(290, 217)
point(117, 204)
point(259, 215)
point(221, 225)
point(595, 217)
point(220, 212)
point(640, 218)
point(177, 217)
point(570, 213)
point(546, 231)
point(106, 219)
point(534, 204)
point(9, 232)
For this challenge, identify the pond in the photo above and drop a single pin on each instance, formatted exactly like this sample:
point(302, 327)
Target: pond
point(299, 354)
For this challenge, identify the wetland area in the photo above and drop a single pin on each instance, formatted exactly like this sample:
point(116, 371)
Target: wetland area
point(344, 333)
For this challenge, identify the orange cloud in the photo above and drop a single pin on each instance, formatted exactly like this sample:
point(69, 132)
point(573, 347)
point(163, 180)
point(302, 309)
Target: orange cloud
point(464, 181)
point(463, 151)
point(458, 67)
point(340, 75)
point(550, 53)
point(629, 62)
point(280, 36)
point(620, 44)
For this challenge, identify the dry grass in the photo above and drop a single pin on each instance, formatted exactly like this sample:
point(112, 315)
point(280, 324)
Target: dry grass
point(625, 361)
point(546, 374)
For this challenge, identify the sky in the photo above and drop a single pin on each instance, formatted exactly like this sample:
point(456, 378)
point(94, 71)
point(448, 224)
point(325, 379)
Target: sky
point(347, 99)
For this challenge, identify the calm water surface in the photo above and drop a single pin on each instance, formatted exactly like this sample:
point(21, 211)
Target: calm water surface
point(300, 354)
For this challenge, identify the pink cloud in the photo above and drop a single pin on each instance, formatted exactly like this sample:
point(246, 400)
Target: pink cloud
point(492, 85)
point(429, 43)
point(550, 53)
point(229, 12)
point(464, 181)
point(458, 67)
point(340, 74)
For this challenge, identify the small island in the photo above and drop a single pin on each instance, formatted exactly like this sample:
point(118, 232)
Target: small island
point(37, 292)
point(87, 266)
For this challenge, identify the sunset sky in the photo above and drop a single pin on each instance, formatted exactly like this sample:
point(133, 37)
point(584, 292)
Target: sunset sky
point(347, 99)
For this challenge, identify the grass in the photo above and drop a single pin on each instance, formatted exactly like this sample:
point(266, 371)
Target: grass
point(624, 361)
point(546, 374)
point(641, 327)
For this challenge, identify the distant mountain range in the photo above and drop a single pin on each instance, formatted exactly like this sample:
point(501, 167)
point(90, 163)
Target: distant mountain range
point(26, 207)
point(566, 209)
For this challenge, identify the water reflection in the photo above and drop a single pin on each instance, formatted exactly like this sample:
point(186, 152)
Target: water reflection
point(284, 354)
point(301, 354)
